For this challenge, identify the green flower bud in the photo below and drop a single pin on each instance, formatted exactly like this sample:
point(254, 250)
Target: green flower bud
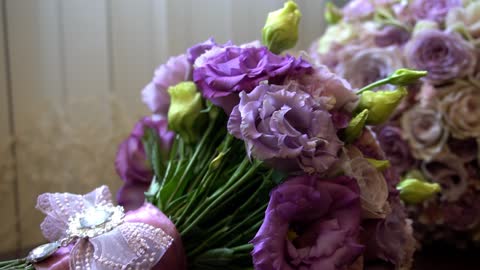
point(424, 25)
point(404, 76)
point(355, 127)
point(380, 104)
point(415, 174)
point(281, 28)
point(415, 191)
point(380, 165)
point(401, 77)
point(332, 14)
point(340, 33)
point(215, 163)
point(184, 114)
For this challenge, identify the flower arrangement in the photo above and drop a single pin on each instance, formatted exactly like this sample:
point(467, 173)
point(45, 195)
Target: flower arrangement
point(251, 159)
point(434, 135)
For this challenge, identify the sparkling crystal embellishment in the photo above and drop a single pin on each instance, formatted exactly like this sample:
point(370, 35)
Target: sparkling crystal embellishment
point(42, 252)
point(95, 217)
point(95, 221)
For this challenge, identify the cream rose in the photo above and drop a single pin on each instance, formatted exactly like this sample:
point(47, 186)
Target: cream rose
point(425, 132)
point(461, 111)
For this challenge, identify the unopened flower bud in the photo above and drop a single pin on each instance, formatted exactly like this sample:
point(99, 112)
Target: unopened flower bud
point(380, 165)
point(184, 115)
point(281, 28)
point(355, 127)
point(424, 25)
point(415, 191)
point(332, 13)
point(380, 104)
point(404, 76)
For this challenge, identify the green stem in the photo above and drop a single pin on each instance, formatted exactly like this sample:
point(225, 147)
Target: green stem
point(221, 197)
point(238, 172)
point(246, 247)
point(192, 160)
point(373, 85)
point(249, 231)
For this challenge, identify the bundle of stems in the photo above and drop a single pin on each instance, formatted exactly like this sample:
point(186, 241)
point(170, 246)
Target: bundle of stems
point(214, 194)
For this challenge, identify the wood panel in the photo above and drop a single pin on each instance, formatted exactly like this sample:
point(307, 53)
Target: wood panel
point(33, 30)
point(8, 226)
point(210, 18)
point(131, 63)
point(88, 96)
point(248, 18)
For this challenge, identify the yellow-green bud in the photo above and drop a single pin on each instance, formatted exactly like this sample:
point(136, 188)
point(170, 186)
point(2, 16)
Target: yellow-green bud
point(416, 174)
point(215, 163)
point(405, 76)
point(332, 14)
point(355, 127)
point(423, 25)
point(340, 33)
point(184, 114)
point(380, 165)
point(414, 191)
point(281, 28)
point(380, 104)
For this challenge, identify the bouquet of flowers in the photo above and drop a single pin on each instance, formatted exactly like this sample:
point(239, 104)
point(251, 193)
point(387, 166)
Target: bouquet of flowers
point(252, 159)
point(434, 135)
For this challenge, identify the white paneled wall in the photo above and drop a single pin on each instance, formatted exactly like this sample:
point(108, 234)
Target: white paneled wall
point(70, 79)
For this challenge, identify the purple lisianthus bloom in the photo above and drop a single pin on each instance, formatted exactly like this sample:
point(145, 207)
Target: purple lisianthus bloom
point(396, 148)
point(286, 127)
point(221, 73)
point(131, 162)
point(432, 10)
point(450, 172)
point(310, 223)
point(329, 88)
point(390, 239)
point(132, 195)
point(198, 49)
point(362, 66)
point(391, 35)
point(155, 95)
point(358, 9)
point(446, 56)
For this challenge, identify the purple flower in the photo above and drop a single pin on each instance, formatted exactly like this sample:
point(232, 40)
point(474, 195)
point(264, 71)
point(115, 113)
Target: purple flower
point(446, 56)
point(221, 73)
point(310, 224)
point(198, 49)
point(363, 9)
point(328, 87)
point(464, 214)
point(391, 35)
point(155, 95)
point(461, 110)
point(396, 148)
point(362, 66)
point(373, 186)
point(450, 172)
point(131, 162)
point(432, 10)
point(132, 195)
point(286, 127)
point(358, 9)
point(425, 132)
point(390, 239)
